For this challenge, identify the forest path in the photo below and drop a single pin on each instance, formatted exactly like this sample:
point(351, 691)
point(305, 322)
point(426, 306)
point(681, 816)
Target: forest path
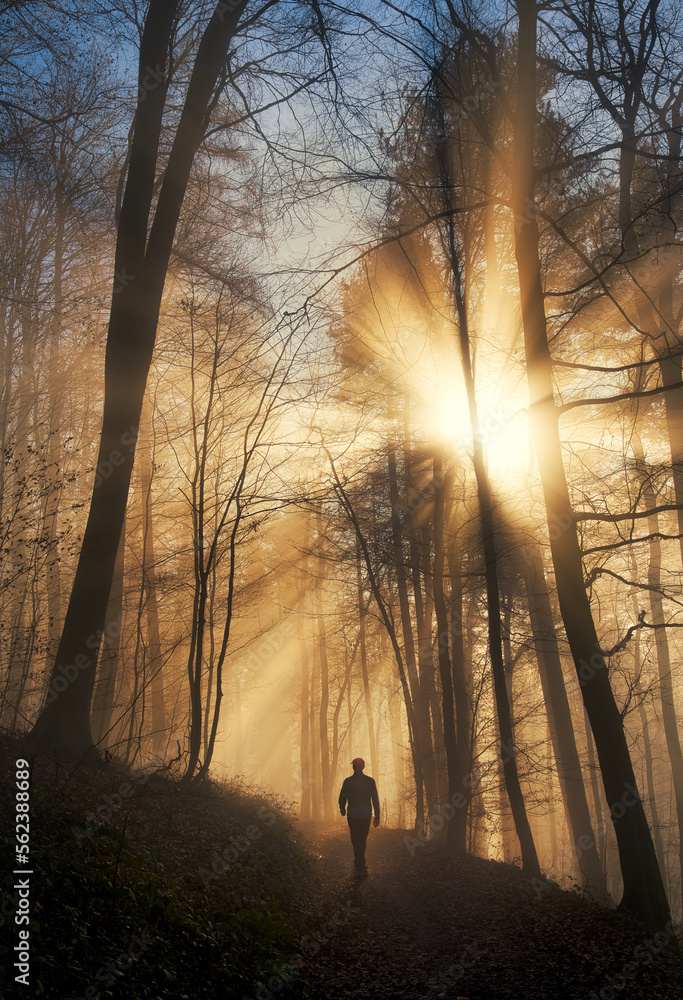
point(427, 925)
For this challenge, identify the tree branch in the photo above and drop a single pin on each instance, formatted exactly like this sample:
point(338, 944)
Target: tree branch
point(585, 515)
point(640, 394)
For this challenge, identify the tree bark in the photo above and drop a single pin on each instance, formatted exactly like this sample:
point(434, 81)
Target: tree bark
point(664, 669)
point(560, 721)
point(54, 574)
point(599, 824)
point(141, 265)
point(154, 664)
point(643, 888)
point(314, 741)
point(486, 515)
point(305, 808)
point(397, 754)
point(421, 729)
point(321, 641)
point(463, 708)
point(456, 833)
point(105, 692)
point(647, 752)
point(362, 612)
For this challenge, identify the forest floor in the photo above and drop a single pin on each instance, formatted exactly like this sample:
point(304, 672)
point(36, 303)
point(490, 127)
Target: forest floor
point(425, 924)
point(141, 890)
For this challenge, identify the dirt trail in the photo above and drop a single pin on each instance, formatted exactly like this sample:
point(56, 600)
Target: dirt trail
point(429, 925)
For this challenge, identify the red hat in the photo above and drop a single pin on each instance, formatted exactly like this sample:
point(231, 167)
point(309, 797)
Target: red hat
point(358, 763)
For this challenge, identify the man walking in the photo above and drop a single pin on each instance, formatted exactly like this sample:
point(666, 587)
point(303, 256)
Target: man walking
point(360, 792)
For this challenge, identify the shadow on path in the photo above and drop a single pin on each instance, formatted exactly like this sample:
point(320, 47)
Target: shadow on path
point(427, 924)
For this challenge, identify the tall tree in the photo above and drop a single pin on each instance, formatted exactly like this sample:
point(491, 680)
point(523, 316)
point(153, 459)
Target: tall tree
point(486, 500)
point(663, 657)
point(559, 719)
point(141, 263)
point(643, 887)
point(456, 835)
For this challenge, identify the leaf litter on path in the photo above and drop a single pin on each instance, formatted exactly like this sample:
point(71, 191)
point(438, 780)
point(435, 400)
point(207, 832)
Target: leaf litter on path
point(428, 924)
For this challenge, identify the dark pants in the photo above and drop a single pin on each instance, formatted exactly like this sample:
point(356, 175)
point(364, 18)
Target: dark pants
point(359, 828)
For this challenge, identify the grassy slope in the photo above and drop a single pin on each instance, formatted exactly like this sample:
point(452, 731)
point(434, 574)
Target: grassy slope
point(202, 895)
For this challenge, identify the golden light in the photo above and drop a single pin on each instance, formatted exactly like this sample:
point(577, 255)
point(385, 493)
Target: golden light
point(503, 426)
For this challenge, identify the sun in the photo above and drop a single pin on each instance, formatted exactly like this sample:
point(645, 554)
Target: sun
point(503, 427)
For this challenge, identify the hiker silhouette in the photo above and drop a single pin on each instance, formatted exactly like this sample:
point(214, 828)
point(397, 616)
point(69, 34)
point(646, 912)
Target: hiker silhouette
point(357, 798)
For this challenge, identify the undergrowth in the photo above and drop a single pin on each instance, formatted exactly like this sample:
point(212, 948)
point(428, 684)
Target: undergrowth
point(143, 890)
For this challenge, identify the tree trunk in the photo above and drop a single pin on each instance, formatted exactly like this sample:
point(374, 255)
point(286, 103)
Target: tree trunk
point(54, 486)
point(421, 728)
point(643, 887)
point(362, 611)
point(240, 737)
point(462, 700)
point(141, 265)
point(396, 734)
point(550, 792)
point(322, 721)
point(437, 774)
point(456, 833)
point(321, 641)
point(336, 742)
point(349, 728)
point(647, 753)
point(105, 692)
point(560, 721)
point(220, 662)
point(486, 508)
point(314, 742)
point(153, 653)
point(599, 824)
point(305, 809)
point(666, 693)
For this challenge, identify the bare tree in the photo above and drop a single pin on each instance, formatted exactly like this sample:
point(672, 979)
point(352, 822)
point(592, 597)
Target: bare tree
point(141, 263)
point(643, 887)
